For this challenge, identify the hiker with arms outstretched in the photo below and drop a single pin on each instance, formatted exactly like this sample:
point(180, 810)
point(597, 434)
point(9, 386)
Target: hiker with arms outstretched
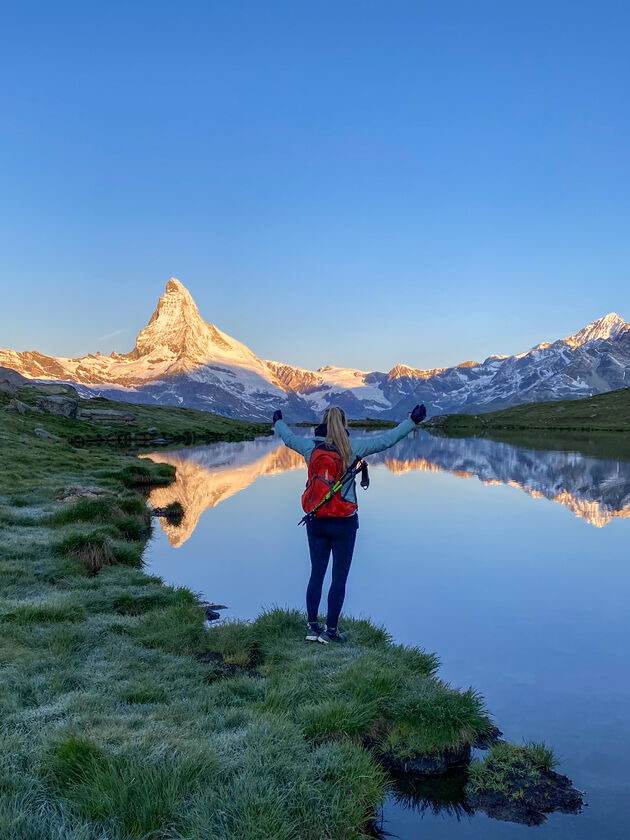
point(330, 502)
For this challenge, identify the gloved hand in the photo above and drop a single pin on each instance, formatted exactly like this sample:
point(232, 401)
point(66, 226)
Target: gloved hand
point(418, 414)
point(277, 415)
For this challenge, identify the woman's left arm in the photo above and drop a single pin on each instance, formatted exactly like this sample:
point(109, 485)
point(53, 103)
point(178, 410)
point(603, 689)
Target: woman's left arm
point(368, 446)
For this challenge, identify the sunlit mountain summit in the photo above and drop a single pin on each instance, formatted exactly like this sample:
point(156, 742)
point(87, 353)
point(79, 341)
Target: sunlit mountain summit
point(180, 359)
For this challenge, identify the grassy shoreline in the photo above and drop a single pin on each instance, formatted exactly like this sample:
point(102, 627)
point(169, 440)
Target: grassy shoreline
point(175, 425)
point(594, 426)
point(609, 412)
point(124, 716)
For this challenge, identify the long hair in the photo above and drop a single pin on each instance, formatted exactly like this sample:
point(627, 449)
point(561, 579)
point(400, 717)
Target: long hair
point(335, 420)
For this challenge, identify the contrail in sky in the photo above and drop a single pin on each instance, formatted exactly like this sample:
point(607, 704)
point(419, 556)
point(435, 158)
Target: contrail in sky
point(109, 335)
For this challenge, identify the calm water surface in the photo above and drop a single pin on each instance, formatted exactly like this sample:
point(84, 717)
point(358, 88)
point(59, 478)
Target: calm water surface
point(512, 564)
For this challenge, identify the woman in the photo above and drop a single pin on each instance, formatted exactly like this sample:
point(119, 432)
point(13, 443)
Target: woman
point(330, 532)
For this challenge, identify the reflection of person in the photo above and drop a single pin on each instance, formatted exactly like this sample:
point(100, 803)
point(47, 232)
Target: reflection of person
point(334, 527)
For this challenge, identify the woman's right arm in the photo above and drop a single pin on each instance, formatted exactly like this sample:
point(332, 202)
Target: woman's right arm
point(300, 444)
point(368, 446)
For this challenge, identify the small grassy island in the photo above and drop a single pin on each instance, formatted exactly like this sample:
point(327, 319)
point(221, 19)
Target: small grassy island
point(125, 715)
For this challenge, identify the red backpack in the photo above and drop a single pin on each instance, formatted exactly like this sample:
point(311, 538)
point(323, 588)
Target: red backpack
point(324, 468)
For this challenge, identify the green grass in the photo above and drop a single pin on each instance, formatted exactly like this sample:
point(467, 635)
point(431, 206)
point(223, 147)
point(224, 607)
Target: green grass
point(593, 426)
point(509, 768)
point(136, 794)
point(173, 424)
point(124, 716)
point(55, 611)
point(609, 412)
point(111, 723)
point(370, 689)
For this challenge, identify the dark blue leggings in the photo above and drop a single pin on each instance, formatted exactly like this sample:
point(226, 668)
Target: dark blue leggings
point(338, 535)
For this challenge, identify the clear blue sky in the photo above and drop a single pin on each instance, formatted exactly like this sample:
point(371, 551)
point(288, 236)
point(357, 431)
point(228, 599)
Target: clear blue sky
point(359, 183)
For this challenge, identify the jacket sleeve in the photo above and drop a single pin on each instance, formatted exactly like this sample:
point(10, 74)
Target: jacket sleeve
point(368, 446)
point(300, 444)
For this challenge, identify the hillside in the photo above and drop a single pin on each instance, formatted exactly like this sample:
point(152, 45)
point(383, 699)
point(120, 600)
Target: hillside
point(606, 413)
point(129, 423)
point(593, 426)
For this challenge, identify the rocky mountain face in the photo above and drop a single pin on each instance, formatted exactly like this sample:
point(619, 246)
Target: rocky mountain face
point(179, 359)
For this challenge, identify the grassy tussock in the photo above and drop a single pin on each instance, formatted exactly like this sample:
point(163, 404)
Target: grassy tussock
point(9, 517)
point(139, 475)
point(177, 628)
point(99, 547)
point(507, 768)
point(53, 611)
point(136, 795)
point(156, 598)
point(87, 510)
point(94, 550)
point(173, 513)
point(129, 516)
point(428, 715)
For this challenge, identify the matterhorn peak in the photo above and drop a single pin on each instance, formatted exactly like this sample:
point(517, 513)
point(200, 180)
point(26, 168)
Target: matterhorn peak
point(176, 328)
point(177, 336)
point(176, 286)
point(606, 327)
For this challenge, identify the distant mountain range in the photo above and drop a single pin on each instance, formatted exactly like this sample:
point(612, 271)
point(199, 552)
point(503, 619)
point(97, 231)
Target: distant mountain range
point(179, 359)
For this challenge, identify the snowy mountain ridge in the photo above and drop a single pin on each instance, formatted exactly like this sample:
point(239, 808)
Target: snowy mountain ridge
point(179, 359)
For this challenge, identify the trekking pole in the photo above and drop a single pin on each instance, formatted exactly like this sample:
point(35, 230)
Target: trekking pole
point(353, 470)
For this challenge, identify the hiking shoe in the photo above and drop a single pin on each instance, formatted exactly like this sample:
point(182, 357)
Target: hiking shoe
point(330, 635)
point(313, 632)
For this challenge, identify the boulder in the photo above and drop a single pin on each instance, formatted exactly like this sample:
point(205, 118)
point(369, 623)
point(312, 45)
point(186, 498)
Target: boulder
point(211, 611)
point(53, 389)
point(8, 388)
point(59, 406)
point(12, 376)
point(107, 415)
point(42, 433)
point(18, 405)
point(82, 491)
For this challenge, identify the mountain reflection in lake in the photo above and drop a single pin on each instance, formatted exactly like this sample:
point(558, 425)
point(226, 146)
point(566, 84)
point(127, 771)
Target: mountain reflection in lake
point(517, 591)
point(595, 490)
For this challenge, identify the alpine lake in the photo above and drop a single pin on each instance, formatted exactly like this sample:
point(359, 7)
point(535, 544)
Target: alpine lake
point(510, 562)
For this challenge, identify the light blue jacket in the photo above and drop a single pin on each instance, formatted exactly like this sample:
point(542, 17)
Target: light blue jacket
point(361, 447)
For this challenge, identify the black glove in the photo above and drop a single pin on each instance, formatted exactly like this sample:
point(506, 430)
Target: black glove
point(418, 414)
point(277, 415)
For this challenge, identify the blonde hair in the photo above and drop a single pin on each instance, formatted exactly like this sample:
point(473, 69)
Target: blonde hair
point(335, 420)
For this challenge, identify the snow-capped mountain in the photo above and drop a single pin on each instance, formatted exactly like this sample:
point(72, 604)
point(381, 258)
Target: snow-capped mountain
point(179, 359)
